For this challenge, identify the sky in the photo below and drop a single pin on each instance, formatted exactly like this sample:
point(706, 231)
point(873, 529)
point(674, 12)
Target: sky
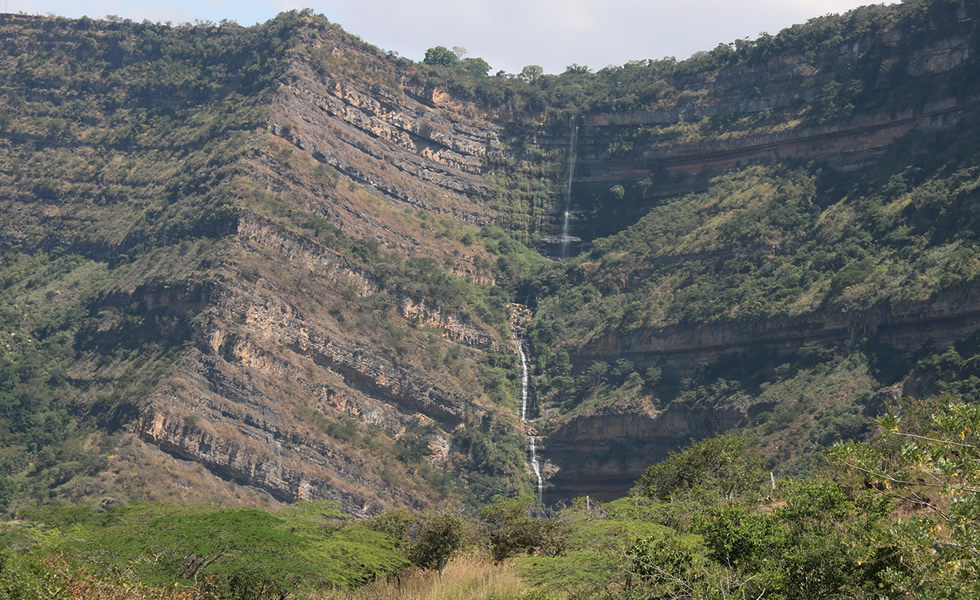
point(508, 34)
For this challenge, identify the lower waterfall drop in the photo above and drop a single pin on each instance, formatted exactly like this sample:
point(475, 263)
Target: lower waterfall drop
point(532, 440)
point(536, 466)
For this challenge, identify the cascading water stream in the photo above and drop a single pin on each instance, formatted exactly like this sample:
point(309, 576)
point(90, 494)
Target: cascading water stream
point(532, 441)
point(525, 378)
point(536, 466)
point(568, 190)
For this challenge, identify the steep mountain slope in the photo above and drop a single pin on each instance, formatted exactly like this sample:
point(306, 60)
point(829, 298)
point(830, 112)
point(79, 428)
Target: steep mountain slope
point(236, 301)
point(260, 264)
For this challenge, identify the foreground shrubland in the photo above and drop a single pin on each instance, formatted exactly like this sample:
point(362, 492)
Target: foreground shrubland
point(892, 519)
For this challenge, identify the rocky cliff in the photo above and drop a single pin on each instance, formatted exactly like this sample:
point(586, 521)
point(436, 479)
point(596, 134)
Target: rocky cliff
point(279, 262)
point(297, 274)
point(282, 356)
point(714, 371)
point(837, 103)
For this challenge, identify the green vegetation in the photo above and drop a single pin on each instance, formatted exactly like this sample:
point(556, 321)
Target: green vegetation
point(440, 55)
point(714, 468)
point(777, 243)
point(892, 519)
point(867, 77)
point(420, 278)
point(933, 467)
point(129, 252)
point(895, 519)
point(207, 551)
point(73, 363)
point(203, 551)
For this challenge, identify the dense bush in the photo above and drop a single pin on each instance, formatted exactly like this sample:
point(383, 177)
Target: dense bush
point(716, 468)
point(510, 529)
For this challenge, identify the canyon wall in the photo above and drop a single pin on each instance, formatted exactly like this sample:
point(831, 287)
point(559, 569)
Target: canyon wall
point(282, 249)
point(602, 452)
point(901, 81)
point(377, 150)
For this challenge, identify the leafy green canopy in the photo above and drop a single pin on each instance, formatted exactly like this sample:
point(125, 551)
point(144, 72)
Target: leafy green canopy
point(852, 87)
point(237, 552)
point(440, 55)
point(933, 467)
point(718, 467)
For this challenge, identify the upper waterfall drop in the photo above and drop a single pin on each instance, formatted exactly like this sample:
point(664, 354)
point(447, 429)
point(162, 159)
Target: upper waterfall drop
point(565, 239)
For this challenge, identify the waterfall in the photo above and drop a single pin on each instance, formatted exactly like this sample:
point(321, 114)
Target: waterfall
point(536, 466)
point(532, 440)
point(568, 190)
point(524, 379)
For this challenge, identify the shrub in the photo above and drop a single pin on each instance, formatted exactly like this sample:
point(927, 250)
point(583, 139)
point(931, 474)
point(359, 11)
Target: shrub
point(717, 467)
point(510, 529)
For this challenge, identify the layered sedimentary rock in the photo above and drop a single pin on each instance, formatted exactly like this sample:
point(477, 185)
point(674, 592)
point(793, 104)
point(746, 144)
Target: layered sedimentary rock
point(420, 149)
point(295, 363)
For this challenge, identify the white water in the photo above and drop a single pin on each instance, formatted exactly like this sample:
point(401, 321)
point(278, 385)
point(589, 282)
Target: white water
point(532, 441)
point(568, 191)
point(536, 466)
point(524, 379)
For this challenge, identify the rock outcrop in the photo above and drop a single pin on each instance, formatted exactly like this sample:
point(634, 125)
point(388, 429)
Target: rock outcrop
point(280, 244)
point(259, 398)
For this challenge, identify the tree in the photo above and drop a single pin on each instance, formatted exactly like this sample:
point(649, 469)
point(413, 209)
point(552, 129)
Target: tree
point(595, 374)
point(440, 55)
point(717, 467)
point(531, 73)
point(577, 69)
point(934, 469)
point(439, 537)
point(510, 529)
point(475, 66)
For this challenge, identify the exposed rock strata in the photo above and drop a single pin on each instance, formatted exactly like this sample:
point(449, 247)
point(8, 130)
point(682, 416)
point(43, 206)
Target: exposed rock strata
point(603, 452)
point(265, 364)
point(282, 389)
point(908, 326)
point(407, 150)
point(419, 149)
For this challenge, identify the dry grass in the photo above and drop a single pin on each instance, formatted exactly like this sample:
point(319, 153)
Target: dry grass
point(466, 578)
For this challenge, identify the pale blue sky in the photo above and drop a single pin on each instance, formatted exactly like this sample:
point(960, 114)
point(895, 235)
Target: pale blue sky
point(507, 33)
